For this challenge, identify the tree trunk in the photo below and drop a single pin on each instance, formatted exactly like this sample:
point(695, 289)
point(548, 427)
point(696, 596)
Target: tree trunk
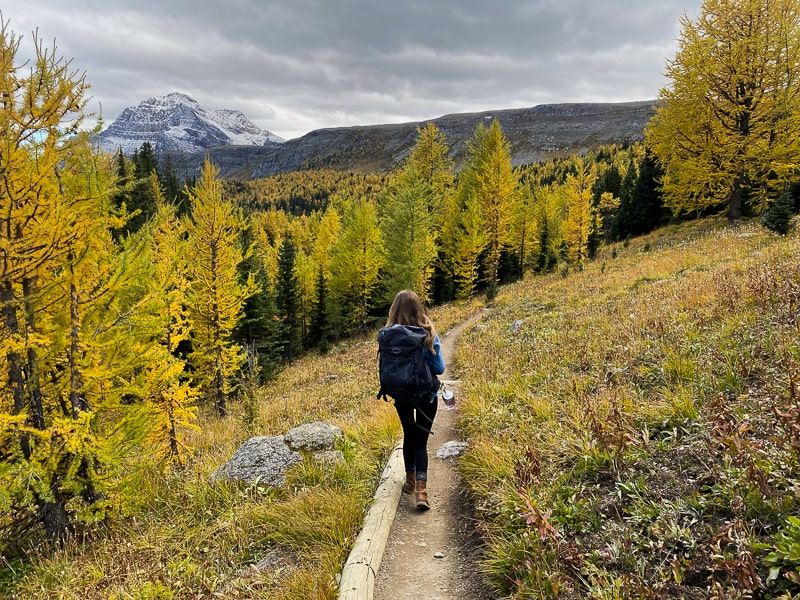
point(55, 519)
point(53, 514)
point(219, 392)
point(34, 392)
point(16, 381)
point(174, 449)
point(9, 314)
point(76, 396)
point(735, 201)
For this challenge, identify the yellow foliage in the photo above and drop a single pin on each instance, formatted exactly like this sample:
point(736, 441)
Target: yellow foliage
point(580, 212)
point(216, 296)
point(726, 127)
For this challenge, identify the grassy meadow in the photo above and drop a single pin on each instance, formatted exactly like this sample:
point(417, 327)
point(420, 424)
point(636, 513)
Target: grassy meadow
point(637, 435)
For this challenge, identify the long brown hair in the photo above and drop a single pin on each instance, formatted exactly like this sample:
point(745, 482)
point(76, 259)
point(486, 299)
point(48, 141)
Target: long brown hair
point(407, 309)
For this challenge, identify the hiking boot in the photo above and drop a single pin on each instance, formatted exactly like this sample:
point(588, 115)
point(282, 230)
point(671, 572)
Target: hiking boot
point(422, 495)
point(411, 482)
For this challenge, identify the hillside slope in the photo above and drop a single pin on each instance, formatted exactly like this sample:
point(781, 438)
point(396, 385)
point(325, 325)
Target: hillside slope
point(634, 432)
point(635, 428)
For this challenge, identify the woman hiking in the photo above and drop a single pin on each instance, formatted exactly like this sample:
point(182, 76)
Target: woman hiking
point(416, 412)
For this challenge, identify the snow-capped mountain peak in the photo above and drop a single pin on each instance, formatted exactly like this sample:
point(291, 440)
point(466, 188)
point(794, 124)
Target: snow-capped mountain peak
point(178, 123)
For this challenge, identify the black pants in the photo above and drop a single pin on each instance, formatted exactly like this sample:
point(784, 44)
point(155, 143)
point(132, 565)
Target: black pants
point(417, 420)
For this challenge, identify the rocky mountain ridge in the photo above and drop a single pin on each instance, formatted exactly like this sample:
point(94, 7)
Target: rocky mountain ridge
point(534, 134)
point(178, 123)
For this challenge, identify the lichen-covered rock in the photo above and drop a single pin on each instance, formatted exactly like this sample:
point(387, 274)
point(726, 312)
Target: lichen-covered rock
point(260, 458)
point(266, 459)
point(313, 437)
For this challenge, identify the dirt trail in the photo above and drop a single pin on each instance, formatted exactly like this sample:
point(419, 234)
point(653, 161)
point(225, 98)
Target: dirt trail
point(431, 555)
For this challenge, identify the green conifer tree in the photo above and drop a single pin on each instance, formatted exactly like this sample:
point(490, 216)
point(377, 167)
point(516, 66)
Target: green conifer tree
point(138, 191)
point(641, 208)
point(170, 184)
point(259, 328)
point(319, 332)
point(620, 227)
point(548, 259)
point(779, 218)
point(287, 299)
point(409, 236)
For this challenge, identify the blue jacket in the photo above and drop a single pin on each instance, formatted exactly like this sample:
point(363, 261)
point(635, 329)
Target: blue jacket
point(435, 362)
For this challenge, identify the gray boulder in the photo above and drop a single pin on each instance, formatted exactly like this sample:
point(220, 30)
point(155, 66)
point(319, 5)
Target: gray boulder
point(313, 436)
point(266, 459)
point(260, 458)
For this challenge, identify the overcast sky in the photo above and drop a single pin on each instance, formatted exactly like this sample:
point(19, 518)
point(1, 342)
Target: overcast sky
point(293, 66)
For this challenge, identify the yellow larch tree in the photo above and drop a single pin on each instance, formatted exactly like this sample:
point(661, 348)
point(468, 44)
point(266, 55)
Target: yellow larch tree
point(463, 236)
point(216, 294)
point(326, 232)
point(580, 212)
point(470, 239)
point(171, 401)
point(325, 235)
point(486, 183)
point(268, 230)
point(523, 227)
point(62, 296)
point(356, 260)
point(725, 129)
point(430, 160)
point(549, 219)
point(497, 193)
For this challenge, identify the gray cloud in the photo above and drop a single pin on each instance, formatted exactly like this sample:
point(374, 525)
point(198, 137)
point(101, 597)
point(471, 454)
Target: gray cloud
point(296, 65)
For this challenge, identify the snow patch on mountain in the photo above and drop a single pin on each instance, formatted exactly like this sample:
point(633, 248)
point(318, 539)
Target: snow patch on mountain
point(178, 123)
